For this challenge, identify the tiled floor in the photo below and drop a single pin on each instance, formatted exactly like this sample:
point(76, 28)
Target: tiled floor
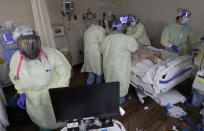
point(153, 119)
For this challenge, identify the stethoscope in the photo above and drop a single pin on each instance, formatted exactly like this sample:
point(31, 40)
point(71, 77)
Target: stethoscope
point(16, 77)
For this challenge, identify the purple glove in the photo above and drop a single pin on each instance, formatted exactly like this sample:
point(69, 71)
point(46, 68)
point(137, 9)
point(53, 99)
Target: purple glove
point(193, 59)
point(202, 38)
point(175, 48)
point(21, 101)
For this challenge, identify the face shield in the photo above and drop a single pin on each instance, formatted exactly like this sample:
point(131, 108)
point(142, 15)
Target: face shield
point(133, 20)
point(184, 12)
point(117, 26)
point(29, 45)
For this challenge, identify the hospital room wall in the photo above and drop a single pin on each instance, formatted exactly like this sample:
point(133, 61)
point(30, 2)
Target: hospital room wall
point(74, 29)
point(156, 14)
point(19, 11)
point(55, 18)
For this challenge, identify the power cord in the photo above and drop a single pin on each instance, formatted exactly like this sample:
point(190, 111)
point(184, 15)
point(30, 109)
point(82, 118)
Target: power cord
point(119, 124)
point(201, 62)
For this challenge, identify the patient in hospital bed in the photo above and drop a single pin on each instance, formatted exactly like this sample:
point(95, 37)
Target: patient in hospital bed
point(146, 53)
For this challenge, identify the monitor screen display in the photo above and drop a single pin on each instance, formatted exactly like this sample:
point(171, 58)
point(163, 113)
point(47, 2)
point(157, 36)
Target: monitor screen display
point(82, 102)
point(124, 19)
point(8, 38)
point(68, 6)
point(119, 27)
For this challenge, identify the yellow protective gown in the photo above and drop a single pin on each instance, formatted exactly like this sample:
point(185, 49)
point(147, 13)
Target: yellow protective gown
point(199, 58)
point(35, 79)
point(199, 61)
point(93, 37)
point(179, 35)
point(139, 33)
point(116, 50)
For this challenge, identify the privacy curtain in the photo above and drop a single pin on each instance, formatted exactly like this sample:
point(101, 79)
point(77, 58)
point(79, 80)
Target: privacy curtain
point(42, 22)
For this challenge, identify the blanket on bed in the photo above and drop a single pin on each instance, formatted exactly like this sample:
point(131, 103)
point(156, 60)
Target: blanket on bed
point(146, 53)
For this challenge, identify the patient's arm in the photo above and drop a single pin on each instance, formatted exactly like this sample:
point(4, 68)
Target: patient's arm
point(159, 55)
point(146, 53)
point(153, 59)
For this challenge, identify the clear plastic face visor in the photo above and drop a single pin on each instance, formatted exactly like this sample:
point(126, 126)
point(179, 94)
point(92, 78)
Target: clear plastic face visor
point(132, 18)
point(29, 46)
point(186, 14)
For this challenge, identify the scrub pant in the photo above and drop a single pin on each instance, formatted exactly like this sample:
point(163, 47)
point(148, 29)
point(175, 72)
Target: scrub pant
point(92, 77)
point(198, 99)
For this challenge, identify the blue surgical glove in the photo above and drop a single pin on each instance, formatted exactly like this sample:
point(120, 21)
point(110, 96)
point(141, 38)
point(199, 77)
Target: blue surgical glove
point(175, 48)
point(193, 59)
point(21, 101)
point(202, 38)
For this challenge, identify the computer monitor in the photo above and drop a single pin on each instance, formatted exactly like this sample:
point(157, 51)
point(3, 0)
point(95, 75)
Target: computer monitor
point(69, 7)
point(72, 103)
point(6, 39)
point(8, 44)
point(119, 27)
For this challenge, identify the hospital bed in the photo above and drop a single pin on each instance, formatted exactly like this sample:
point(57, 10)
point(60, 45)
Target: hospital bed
point(152, 79)
point(3, 116)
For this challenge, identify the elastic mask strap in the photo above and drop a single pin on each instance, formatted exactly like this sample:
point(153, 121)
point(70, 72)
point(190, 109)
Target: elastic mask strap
point(42, 52)
point(19, 66)
point(22, 56)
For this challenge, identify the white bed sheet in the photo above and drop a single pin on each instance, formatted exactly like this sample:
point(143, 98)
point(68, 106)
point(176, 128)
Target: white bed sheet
point(3, 115)
point(147, 71)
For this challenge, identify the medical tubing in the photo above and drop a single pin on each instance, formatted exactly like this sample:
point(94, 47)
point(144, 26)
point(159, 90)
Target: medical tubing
point(190, 123)
point(202, 57)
